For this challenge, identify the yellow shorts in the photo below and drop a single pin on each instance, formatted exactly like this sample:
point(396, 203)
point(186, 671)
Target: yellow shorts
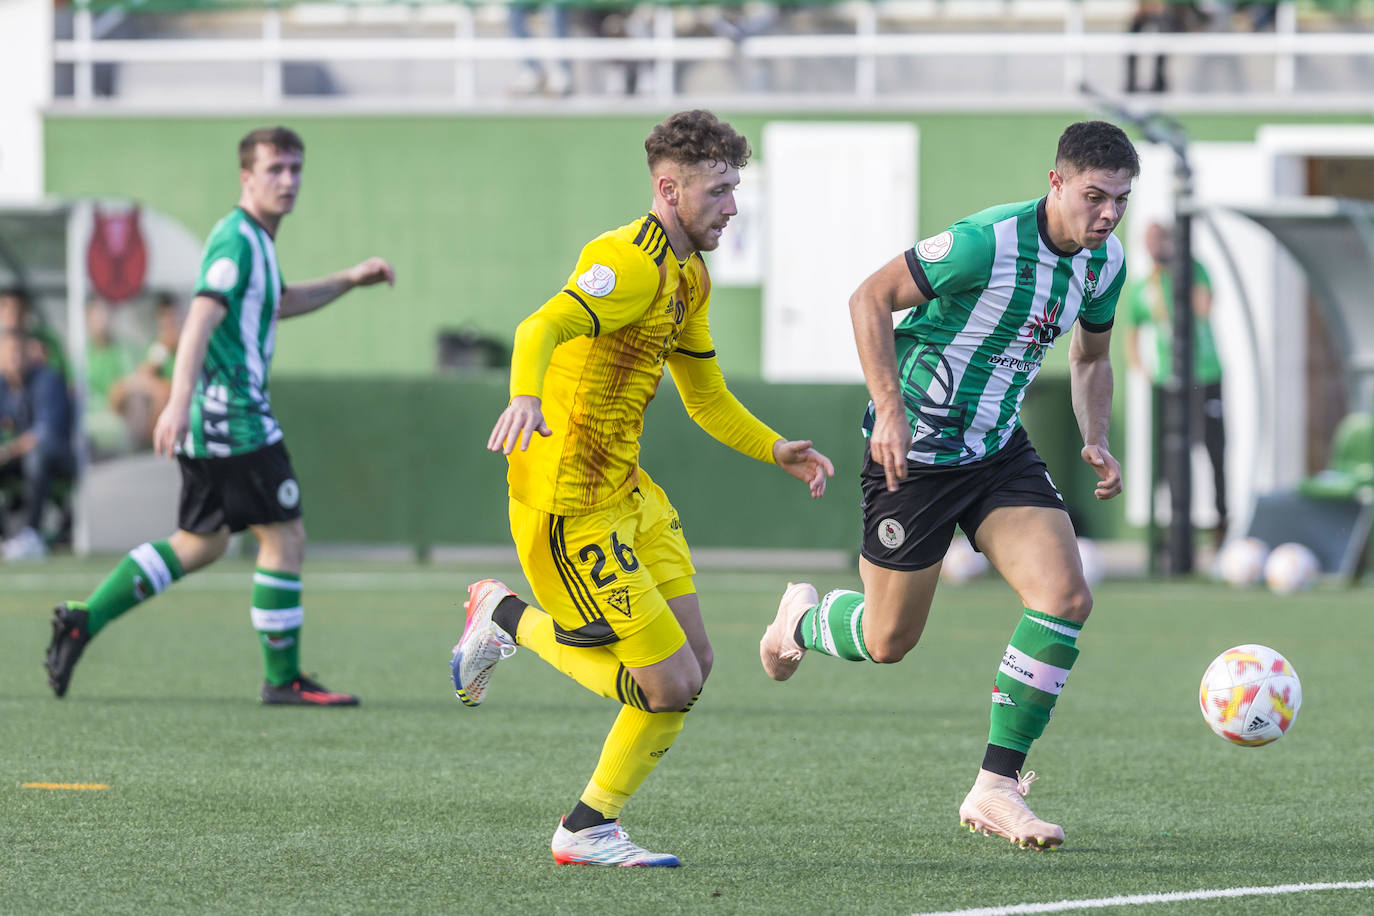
point(605, 578)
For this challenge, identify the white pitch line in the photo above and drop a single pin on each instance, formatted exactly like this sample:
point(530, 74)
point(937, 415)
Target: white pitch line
point(1098, 903)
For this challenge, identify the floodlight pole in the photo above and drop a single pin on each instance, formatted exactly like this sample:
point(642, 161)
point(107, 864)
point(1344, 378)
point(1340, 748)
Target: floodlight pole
point(1178, 406)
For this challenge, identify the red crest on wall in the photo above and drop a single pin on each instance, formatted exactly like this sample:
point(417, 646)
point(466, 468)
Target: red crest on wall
point(117, 257)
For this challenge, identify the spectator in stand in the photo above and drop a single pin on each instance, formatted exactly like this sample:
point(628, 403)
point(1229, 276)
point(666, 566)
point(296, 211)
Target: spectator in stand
point(1159, 16)
point(17, 313)
point(35, 438)
point(553, 77)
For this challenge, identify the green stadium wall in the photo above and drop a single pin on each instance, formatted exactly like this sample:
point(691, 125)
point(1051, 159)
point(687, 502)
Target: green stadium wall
point(483, 216)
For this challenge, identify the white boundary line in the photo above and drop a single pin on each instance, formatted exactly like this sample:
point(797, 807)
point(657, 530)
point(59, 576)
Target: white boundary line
point(1098, 903)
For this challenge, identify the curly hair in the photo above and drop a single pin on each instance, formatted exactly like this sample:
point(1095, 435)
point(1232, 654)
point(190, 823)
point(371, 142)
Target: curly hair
point(284, 139)
point(693, 136)
point(1096, 145)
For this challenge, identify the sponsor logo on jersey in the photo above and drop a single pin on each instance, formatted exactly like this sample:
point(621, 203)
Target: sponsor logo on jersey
point(936, 247)
point(1012, 363)
point(288, 494)
point(598, 280)
point(891, 534)
point(1089, 282)
point(1025, 273)
point(1043, 330)
point(222, 275)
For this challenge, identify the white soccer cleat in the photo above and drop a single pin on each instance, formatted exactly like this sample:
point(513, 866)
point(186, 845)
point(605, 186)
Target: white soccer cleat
point(604, 844)
point(997, 804)
point(483, 643)
point(778, 649)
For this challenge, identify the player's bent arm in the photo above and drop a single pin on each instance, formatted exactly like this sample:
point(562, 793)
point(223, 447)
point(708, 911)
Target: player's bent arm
point(713, 407)
point(304, 297)
point(202, 318)
point(889, 289)
point(716, 410)
point(560, 319)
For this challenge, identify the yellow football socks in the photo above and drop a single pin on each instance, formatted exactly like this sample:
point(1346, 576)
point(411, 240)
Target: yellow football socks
point(637, 742)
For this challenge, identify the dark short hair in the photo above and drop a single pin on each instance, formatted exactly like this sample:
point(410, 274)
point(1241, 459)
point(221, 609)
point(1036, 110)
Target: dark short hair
point(696, 136)
point(1096, 145)
point(284, 139)
point(18, 292)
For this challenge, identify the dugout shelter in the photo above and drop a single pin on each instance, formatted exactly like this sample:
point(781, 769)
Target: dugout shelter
point(63, 253)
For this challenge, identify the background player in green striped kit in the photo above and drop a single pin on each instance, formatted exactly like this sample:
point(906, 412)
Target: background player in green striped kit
point(986, 299)
point(235, 472)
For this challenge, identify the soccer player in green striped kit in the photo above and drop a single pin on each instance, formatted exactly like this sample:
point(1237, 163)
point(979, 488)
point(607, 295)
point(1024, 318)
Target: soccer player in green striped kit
point(984, 301)
point(235, 471)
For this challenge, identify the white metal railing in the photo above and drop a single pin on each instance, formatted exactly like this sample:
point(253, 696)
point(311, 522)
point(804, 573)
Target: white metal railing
point(1071, 51)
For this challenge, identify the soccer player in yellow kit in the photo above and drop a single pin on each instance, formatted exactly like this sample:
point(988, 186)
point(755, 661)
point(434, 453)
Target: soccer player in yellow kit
point(598, 540)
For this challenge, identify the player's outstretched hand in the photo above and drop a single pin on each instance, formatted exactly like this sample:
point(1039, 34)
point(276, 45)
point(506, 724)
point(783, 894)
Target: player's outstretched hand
point(803, 462)
point(1108, 470)
point(517, 425)
point(170, 429)
point(373, 270)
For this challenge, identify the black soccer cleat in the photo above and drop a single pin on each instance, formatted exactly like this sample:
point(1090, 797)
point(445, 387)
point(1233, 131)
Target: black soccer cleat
point(70, 634)
point(302, 691)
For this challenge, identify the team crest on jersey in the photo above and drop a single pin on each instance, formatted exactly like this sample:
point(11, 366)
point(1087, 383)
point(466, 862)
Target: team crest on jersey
point(598, 280)
point(936, 247)
point(619, 598)
point(891, 534)
point(222, 275)
point(1089, 282)
point(288, 494)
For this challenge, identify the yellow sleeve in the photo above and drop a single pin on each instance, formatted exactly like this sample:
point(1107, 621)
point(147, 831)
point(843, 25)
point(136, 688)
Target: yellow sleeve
point(613, 284)
point(709, 403)
point(561, 318)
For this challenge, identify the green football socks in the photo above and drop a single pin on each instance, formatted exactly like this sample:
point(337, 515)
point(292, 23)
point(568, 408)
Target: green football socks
point(145, 571)
point(1033, 671)
point(277, 616)
point(836, 626)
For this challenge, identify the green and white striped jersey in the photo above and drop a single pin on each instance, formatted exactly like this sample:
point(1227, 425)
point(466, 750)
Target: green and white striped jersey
point(1000, 295)
point(230, 413)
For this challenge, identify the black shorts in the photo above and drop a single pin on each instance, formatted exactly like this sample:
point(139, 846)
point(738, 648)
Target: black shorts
point(912, 528)
point(256, 488)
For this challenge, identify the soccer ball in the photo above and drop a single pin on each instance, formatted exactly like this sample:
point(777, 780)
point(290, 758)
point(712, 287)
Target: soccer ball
point(1250, 695)
point(1241, 562)
point(1094, 565)
point(962, 563)
point(1290, 567)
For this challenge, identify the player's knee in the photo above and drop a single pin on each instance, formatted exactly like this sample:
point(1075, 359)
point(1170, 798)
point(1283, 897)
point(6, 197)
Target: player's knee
point(1074, 604)
point(705, 659)
point(675, 696)
point(887, 649)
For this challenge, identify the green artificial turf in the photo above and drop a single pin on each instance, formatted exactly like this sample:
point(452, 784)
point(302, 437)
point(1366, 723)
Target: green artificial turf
point(836, 792)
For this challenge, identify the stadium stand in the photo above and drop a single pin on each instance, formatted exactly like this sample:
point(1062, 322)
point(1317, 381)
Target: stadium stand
point(439, 54)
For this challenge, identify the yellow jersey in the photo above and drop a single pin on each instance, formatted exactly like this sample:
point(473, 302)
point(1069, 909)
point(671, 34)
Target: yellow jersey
point(595, 353)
